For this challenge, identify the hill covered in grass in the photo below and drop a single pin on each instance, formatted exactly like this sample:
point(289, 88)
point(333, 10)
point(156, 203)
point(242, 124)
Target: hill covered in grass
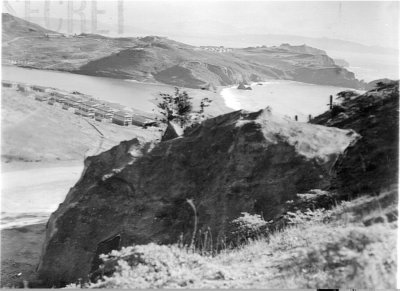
point(34, 131)
point(163, 60)
point(335, 248)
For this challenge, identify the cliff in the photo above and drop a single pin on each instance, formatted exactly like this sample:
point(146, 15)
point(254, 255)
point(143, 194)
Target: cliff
point(371, 164)
point(136, 194)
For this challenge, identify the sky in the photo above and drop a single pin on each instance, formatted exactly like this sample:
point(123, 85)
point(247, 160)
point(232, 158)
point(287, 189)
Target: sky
point(366, 22)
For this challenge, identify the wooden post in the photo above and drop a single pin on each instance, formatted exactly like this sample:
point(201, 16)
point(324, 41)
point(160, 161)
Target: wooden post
point(295, 117)
point(330, 102)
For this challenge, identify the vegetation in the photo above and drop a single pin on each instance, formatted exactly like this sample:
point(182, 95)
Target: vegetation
point(347, 94)
point(179, 108)
point(318, 249)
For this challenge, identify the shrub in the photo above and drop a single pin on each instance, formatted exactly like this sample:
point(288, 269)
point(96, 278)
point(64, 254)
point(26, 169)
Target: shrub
point(316, 216)
point(248, 226)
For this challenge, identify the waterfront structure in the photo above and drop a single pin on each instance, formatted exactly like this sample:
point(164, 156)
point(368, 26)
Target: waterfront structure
point(122, 117)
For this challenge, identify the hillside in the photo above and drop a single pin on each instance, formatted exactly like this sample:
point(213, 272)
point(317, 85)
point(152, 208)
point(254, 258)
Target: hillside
point(14, 27)
point(238, 162)
point(167, 61)
point(33, 131)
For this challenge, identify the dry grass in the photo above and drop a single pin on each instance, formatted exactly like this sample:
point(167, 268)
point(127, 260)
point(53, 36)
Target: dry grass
point(322, 249)
point(35, 131)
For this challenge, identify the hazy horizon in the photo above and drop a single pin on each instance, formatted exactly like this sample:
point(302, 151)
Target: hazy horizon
point(372, 23)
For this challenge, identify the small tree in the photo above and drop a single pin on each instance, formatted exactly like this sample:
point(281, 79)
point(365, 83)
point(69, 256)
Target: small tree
point(177, 107)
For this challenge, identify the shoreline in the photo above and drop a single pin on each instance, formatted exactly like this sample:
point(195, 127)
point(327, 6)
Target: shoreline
point(30, 195)
point(287, 98)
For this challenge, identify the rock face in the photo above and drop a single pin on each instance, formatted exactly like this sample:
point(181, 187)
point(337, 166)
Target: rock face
point(244, 86)
point(136, 194)
point(371, 164)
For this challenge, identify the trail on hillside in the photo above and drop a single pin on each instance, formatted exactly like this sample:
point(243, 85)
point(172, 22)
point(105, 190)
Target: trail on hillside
point(101, 141)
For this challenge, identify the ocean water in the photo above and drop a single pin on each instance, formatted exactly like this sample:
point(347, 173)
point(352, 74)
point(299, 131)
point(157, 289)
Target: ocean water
point(285, 98)
point(29, 196)
point(369, 67)
point(138, 95)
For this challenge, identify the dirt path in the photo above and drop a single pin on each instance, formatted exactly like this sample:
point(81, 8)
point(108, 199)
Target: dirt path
point(100, 144)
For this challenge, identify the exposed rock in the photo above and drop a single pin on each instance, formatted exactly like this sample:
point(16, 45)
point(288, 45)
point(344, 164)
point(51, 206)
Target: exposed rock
point(173, 131)
point(244, 86)
point(238, 162)
point(371, 164)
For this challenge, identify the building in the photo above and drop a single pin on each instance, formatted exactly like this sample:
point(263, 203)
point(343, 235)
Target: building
point(40, 89)
point(142, 121)
point(58, 97)
point(87, 108)
point(72, 101)
point(104, 112)
point(122, 118)
point(23, 88)
point(53, 35)
point(218, 49)
point(8, 84)
point(41, 98)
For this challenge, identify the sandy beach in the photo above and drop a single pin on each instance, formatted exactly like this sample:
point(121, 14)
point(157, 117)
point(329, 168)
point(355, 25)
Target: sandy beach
point(285, 97)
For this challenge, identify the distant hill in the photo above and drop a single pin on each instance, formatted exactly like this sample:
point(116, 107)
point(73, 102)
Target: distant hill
point(160, 59)
point(303, 49)
point(16, 27)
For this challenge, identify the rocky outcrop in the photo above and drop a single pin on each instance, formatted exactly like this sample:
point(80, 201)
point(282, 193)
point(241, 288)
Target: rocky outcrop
point(135, 194)
point(371, 164)
point(172, 131)
point(244, 86)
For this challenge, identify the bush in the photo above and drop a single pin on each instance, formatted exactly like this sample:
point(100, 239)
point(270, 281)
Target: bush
point(248, 226)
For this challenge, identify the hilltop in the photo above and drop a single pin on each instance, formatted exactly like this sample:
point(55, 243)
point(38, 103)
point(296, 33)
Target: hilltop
point(14, 27)
point(158, 59)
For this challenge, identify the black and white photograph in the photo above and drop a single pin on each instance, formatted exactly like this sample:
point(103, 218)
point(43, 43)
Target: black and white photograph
point(188, 144)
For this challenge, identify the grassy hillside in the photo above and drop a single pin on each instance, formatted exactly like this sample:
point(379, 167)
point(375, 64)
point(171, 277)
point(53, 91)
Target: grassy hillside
point(168, 61)
point(349, 246)
point(14, 27)
point(33, 131)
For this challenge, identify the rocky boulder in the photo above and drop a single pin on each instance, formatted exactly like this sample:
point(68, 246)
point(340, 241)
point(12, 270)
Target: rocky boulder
point(136, 194)
point(244, 86)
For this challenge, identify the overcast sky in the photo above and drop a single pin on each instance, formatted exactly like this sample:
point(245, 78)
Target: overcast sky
point(371, 23)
